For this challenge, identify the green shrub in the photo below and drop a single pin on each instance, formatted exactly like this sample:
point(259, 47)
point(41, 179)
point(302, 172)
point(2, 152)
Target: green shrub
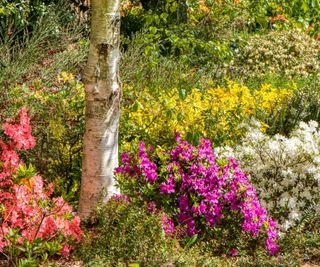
point(125, 234)
point(139, 70)
point(285, 14)
point(202, 36)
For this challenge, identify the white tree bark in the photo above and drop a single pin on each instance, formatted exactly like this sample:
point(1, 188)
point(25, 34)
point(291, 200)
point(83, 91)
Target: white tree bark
point(103, 93)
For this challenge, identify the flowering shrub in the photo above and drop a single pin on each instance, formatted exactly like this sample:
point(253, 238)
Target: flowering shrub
point(196, 193)
point(285, 170)
point(215, 113)
point(32, 223)
point(292, 53)
point(56, 109)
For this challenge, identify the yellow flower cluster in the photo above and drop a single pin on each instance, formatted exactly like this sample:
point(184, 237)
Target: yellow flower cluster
point(269, 98)
point(203, 7)
point(66, 76)
point(216, 113)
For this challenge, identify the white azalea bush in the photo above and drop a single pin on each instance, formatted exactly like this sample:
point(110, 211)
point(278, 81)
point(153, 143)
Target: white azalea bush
point(285, 170)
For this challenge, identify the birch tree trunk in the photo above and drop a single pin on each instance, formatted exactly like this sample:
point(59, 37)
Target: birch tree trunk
point(103, 93)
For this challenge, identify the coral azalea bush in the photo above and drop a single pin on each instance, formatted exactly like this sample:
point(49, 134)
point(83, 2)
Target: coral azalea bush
point(33, 223)
point(196, 193)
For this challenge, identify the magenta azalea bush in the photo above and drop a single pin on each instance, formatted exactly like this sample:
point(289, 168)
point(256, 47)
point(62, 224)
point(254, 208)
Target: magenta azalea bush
point(32, 222)
point(196, 192)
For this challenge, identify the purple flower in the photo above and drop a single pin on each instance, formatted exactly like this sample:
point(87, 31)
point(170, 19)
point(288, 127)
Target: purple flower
point(234, 252)
point(183, 217)
point(121, 198)
point(212, 197)
point(177, 136)
point(167, 224)
point(272, 246)
point(126, 157)
point(183, 203)
point(272, 234)
point(191, 227)
point(205, 151)
point(147, 167)
point(198, 185)
point(167, 188)
point(200, 209)
point(152, 207)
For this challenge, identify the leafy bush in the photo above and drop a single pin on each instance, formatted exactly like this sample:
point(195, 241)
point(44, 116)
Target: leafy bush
point(301, 243)
point(125, 234)
point(199, 196)
point(291, 53)
point(286, 14)
point(19, 18)
point(216, 113)
point(33, 225)
point(285, 170)
point(198, 33)
point(139, 70)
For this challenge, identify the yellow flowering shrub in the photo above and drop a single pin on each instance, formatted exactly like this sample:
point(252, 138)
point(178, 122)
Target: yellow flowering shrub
point(269, 98)
point(217, 113)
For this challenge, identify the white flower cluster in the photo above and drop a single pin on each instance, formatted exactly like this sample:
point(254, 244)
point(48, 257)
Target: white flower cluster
point(290, 53)
point(285, 170)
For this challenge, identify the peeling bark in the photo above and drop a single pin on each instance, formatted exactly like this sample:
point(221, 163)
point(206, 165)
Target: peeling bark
point(103, 93)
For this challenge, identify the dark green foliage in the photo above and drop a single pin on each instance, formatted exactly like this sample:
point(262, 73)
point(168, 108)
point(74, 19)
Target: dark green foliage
point(303, 106)
point(297, 14)
point(19, 19)
point(51, 33)
point(125, 234)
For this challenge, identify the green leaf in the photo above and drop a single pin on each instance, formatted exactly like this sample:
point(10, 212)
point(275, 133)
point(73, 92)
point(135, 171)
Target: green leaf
point(134, 107)
point(153, 30)
point(183, 94)
point(191, 240)
point(164, 16)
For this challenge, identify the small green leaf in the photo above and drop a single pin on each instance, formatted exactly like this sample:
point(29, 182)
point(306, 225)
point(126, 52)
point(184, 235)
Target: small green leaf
point(134, 107)
point(191, 240)
point(182, 93)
